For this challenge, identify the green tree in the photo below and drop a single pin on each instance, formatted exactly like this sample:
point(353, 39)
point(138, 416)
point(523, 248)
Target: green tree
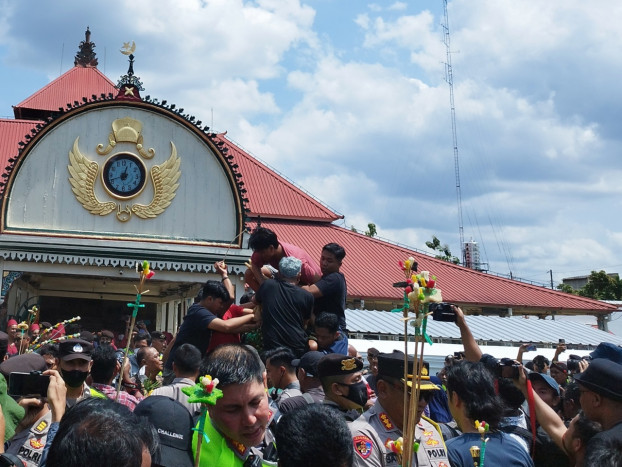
point(443, 250)
point(567, 288)
point(601, 286)
point(371, 230)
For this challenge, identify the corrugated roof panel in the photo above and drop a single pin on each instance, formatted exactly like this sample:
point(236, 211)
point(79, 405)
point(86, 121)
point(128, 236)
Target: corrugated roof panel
point(74, 84)
point(11, 133)
point(270, 195)
point(514, 330)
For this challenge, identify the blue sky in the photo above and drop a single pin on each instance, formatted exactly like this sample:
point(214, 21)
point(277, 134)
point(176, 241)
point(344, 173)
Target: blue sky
point(348, 100)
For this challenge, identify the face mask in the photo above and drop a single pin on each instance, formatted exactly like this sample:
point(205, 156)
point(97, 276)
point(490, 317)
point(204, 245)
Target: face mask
point(74, 378)
point(357, 393)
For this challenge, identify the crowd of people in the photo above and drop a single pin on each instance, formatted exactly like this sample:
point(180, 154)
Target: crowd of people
point(293, 391)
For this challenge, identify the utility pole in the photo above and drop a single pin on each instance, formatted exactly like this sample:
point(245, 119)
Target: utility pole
point(551, 273)
point(450, 80)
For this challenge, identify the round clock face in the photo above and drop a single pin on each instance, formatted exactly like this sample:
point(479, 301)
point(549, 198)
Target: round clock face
point(124, 175)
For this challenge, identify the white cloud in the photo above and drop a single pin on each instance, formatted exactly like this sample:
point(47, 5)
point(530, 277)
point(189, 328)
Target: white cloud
point(398, 6)
point(362, 20)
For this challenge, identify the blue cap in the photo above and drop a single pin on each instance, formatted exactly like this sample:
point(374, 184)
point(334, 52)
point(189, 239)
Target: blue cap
point(289, 267)
point(546, 378)
point(609, 351)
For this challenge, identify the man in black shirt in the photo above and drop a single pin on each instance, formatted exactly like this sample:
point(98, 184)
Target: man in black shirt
point(202, 319)
point(286, 308)
point(331, 290)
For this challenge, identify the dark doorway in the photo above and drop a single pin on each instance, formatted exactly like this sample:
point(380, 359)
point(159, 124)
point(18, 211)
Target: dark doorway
point(95, 314)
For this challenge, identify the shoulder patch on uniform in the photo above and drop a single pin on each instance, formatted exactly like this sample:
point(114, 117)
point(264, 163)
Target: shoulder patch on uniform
point(237, 447)
point(36, 444)
point(386, 421)
point(363, 446)
point(41, 426)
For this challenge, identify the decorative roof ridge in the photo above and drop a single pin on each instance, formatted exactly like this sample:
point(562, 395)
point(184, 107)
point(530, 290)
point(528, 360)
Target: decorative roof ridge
point(291, 185)
point(86, 57)
point(21, 121)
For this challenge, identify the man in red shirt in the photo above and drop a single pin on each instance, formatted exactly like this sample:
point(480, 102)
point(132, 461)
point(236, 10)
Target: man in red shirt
point(268, 251)
point(228, 310)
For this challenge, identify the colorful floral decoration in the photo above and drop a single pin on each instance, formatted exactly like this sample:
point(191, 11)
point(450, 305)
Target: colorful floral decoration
point(206, 393)
point(419, 291)
point(54, 341)
point(397, 447)
point(482, 428)
point(144, 271)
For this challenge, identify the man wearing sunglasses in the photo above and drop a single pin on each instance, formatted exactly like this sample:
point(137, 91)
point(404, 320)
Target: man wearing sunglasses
point(386, 418)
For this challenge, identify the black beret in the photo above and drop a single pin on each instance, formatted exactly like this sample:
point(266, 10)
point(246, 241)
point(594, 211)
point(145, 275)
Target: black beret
point(335, 364)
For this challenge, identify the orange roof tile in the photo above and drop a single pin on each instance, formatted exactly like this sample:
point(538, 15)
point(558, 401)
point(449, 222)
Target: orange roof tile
point(72, 85)
point(371, 267)
point(272, 196)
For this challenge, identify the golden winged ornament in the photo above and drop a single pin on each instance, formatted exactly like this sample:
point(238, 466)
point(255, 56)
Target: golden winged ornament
point(165, 183)
point(83, 174)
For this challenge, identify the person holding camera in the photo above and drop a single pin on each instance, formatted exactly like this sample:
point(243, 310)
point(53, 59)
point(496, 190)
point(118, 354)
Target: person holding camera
point(43, 406)
point(472, 398)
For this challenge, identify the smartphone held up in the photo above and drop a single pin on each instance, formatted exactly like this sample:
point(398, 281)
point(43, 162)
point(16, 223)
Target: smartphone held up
point(33, 384)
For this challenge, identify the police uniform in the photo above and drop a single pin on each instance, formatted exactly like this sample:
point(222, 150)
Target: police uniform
point(334, 364)
point(73, 349)
point(375, 428)
point(28, 444)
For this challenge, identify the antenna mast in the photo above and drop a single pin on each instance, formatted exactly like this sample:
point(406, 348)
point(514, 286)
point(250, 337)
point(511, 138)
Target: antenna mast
point(450, 80)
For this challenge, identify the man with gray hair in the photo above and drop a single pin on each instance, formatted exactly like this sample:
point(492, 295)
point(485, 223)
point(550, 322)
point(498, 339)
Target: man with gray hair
point(285, 308)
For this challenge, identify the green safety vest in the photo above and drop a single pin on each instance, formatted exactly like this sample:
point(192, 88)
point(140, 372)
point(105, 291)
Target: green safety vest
point(217, 451)
point(96, 393)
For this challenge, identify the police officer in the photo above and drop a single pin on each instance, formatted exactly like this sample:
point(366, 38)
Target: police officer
point(31, 434)
point(343, 383)
point(75, 366)
point(385, 419)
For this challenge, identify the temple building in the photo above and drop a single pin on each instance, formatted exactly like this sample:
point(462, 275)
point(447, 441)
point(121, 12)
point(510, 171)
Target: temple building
point(98, 175)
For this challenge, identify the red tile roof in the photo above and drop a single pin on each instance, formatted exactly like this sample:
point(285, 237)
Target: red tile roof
point(272, 196)
point(11, 133)
point(72, 85)
point(371, 267)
